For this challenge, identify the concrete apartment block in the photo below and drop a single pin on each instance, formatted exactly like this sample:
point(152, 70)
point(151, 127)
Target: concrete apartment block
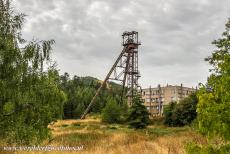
point(156, 98)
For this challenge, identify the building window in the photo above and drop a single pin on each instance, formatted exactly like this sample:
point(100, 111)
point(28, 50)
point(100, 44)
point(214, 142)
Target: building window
point(173, 98)
point(147, 100)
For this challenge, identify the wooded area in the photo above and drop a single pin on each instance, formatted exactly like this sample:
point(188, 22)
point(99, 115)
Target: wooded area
point(33, 94)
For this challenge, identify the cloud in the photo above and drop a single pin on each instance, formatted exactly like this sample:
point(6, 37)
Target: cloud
point(176, 35)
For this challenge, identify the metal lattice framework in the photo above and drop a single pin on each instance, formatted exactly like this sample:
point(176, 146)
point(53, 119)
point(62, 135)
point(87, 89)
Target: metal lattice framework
point(124, 70)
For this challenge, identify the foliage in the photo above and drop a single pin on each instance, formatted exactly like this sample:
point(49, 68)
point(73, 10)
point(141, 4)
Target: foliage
point(182, 113)
point(30, 97)
point(138, 117)
point(112, 112)
point(80, 91)
point(193, 148)
point(214, 98)
point(168, 112)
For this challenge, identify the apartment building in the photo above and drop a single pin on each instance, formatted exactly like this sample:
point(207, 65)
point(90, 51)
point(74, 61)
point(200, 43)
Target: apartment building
point(156, 98)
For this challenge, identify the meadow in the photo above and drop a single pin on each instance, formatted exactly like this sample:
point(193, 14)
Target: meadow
point(98, 137)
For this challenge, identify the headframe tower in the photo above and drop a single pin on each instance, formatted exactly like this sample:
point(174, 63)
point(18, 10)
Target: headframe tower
point(124, 70)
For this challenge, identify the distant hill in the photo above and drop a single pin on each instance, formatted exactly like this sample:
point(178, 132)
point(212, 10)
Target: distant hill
point(80, 91)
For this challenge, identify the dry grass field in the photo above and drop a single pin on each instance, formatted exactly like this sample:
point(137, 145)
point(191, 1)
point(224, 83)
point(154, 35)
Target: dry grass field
point(97, 137)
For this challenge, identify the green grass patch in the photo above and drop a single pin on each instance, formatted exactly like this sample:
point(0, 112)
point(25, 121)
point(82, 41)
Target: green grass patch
point(111, 127)
point(93, 127)
point(76, 139)
point(77, 126)
point(192, 148)
point(161, 131)
point(64, 125)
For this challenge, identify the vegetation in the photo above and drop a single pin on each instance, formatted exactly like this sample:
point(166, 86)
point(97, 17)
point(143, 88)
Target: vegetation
point(111, 113)
point(80, 91)
point(183, 113)
point(114, 112)
point(193, 148)
point(138, 117)
point(30, 97)
point(168, 112)
point(214, 99)
point(33, 96)
point(99, 137)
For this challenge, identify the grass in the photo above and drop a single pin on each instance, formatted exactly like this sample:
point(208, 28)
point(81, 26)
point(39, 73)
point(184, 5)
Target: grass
point(98, 137)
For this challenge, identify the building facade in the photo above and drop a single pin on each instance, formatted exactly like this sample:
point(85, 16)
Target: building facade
point(156, 98)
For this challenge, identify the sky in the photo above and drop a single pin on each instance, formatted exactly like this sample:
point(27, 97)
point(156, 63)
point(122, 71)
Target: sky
point(176, 35)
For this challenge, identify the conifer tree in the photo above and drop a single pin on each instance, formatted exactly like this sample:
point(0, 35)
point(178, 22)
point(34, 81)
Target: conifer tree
point(138, 115)
point(112, 112)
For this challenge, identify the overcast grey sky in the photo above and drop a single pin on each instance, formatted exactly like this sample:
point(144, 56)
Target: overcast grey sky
point(176, 35)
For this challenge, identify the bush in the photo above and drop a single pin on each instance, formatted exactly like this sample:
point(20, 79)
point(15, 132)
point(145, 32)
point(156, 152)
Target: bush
point(182, 113)
point(168, 111)
point(138, 115)
point(112, 112)
point(193, 148)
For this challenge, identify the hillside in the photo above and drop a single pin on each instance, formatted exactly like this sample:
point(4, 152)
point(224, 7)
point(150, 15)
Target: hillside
point(80, 91)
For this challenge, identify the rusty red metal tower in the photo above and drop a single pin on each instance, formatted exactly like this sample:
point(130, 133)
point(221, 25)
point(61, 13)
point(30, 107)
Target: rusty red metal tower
point(124, 70)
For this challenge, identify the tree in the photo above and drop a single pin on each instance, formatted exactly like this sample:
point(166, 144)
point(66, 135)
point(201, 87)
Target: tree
point(112, 112)
point(78, 111)
point(138, 117)
point(80, 91)
point(168, 112)
point(182, 113)
point(185, 111)
point(30, 97)
point(214, 98)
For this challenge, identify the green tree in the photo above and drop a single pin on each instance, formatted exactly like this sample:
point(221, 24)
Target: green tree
point(80, 91)
point(182, 113)
point(112, 112)
point(185, 111)
point(168, 112)
point(30, 97)
point(214, 99)
point(138, 117)
point(78, 111)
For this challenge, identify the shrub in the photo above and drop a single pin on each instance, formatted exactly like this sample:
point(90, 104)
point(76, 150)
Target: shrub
point(168, 111)
point(192, 148)
point(112, 112)
point(138, 115)
point(182, 113)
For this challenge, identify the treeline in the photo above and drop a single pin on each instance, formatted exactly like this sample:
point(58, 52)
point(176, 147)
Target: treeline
point(80, 91)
